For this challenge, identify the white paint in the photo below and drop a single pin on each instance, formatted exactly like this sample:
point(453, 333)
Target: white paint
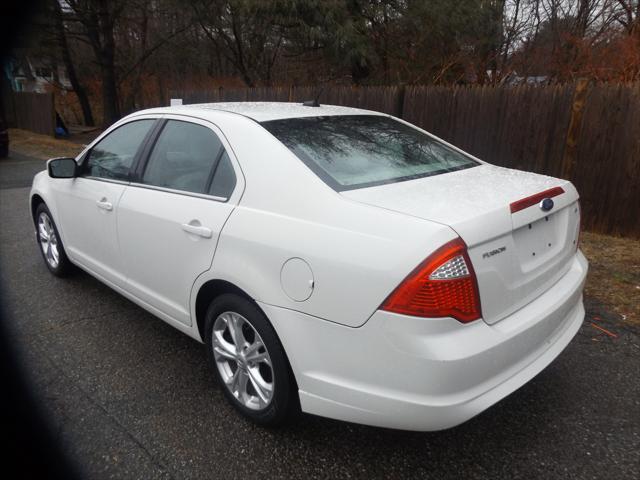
point(297, 279)
point(351, 361)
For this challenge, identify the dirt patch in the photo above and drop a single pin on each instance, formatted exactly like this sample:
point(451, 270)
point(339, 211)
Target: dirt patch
point(41, 146)
point(614, 273)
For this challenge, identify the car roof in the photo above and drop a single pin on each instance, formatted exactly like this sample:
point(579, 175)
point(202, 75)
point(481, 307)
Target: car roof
point(263, 111)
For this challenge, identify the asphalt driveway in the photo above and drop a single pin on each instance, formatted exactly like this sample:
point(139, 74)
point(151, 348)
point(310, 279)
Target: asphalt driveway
point(130, 397)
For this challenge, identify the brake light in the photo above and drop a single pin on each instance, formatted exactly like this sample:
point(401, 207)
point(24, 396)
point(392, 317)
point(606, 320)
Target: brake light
point(443, 285)
point(533, 199)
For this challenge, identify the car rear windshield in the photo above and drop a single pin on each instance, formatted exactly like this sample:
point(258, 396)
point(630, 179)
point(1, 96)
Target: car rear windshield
point(357, 151)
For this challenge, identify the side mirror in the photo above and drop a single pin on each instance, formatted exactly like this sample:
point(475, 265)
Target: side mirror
point(62, 168)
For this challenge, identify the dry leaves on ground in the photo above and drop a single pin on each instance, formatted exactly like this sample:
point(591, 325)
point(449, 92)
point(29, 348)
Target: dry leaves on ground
point(614, 273)
point(41, 146)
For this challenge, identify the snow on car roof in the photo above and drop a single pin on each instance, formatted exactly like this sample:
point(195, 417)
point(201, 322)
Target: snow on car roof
point(265, 111)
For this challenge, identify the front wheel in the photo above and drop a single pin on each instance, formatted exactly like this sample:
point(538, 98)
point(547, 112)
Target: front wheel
point(249, 361)
point(51, 247)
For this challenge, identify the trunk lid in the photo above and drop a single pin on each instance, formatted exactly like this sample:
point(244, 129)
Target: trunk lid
point(516, 256)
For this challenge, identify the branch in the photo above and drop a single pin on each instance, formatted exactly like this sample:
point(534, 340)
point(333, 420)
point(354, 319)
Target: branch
point(150, 52)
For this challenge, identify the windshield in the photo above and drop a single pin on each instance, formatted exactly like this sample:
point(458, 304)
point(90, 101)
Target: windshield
point(356, 151)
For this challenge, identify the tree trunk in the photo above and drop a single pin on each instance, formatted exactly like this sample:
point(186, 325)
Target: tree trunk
point(106, 57)
point(71, 70)
point(136, 84)
point(570, 155)
point(110, 106)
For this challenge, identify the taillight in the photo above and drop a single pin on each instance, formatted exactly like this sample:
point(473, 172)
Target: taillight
point(443, 285)
point(534, 199)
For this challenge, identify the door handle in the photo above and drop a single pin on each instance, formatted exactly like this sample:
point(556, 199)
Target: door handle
point(197, 230)
point(104, 205)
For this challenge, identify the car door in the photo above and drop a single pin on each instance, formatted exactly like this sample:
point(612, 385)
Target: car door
point(88, 204)
point(169, 220)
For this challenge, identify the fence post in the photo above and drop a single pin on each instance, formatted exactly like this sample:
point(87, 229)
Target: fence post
point(569, 157)
point(400, 102)
point(53, 115)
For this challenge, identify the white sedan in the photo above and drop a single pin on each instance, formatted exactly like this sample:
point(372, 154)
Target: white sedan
point(334, 260)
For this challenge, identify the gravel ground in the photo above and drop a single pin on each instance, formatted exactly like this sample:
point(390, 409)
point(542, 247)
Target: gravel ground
point(130, 397)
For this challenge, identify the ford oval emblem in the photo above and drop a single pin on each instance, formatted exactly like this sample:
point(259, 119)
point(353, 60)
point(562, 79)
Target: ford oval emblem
point(546, 204)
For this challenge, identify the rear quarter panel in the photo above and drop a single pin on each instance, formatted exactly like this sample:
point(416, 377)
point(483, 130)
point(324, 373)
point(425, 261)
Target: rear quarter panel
point(358, 254)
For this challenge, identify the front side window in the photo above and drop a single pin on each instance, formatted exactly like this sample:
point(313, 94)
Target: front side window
point(191, 158)
point(357, 151)
point(113, 156)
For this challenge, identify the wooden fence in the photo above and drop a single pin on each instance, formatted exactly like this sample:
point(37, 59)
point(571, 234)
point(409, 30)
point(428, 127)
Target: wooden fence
point(587, 133)
point(30, 111)
point(590, 136)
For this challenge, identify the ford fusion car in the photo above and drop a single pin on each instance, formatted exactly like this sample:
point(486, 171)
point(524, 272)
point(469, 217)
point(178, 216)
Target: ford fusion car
point(334, 260)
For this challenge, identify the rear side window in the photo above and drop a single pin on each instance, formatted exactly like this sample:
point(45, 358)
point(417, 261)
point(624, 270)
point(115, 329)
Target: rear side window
point(113, 156)
point(356, 151)
point(224, 178)
point(185, 158)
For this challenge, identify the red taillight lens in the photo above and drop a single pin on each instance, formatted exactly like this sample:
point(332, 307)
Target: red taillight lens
point(443, 285)
point(533, 199)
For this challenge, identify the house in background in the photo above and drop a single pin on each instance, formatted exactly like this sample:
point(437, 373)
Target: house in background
point(27, 84)
point(31, 74)
point(514, 78)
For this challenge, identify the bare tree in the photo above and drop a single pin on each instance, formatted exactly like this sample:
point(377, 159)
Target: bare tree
point(118, 46)
point(98, 20)
point(248, 33)
point(107, 26)
point(629, 16)
point(65, 53)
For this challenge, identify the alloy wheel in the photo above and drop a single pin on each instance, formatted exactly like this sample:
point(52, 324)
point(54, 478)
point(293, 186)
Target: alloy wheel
point(48, 240)
point(243, 360)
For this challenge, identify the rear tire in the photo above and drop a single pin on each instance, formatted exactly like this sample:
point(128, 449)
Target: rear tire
point(50, 243)
point(248, 360)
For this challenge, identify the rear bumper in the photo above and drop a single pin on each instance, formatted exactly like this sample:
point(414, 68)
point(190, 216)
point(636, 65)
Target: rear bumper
point(409, 373)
